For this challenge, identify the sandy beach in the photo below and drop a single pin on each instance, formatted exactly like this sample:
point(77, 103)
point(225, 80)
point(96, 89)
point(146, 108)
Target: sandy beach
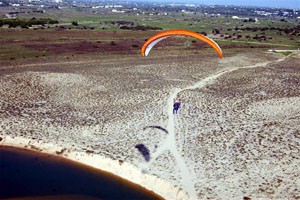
point(236, 135)
point(124, 170)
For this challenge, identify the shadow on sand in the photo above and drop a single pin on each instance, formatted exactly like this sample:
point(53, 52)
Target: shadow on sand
point(157, 127)
point(144, 151)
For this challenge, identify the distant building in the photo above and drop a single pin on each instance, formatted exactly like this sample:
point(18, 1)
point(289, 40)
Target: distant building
point(10, 16)
point(117, 11)
point(96, 7)
point(34, 1)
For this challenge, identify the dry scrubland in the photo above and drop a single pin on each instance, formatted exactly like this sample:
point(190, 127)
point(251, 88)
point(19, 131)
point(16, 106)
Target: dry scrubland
point(241, 134)
point(238, 135)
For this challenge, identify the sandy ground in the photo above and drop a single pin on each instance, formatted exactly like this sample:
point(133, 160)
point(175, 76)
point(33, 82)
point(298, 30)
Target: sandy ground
point(237, 134)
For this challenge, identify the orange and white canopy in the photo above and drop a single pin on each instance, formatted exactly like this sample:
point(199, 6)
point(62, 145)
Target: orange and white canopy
point(152, 41)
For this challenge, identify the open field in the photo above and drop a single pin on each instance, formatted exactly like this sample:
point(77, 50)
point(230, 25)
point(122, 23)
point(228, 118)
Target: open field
point(21, 45)
point(100, 32)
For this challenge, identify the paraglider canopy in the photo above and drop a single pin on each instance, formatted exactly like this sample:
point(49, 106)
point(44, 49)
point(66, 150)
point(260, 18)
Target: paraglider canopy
point(147, 46)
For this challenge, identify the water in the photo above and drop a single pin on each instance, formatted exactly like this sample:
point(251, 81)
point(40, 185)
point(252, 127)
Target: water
point(26, 174)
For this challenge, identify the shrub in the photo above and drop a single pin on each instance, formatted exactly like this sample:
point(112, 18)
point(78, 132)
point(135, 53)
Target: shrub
point(204, 33)
point(75, 23)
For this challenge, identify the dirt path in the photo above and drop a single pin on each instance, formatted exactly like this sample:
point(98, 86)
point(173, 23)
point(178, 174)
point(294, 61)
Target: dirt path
point(186, 176)
point(262, 43)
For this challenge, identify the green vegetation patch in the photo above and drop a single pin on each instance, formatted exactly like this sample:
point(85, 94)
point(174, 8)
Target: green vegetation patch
point(12, 23)
point(286, 53)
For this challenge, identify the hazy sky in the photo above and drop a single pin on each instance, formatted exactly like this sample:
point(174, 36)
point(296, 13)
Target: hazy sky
point(266, 3)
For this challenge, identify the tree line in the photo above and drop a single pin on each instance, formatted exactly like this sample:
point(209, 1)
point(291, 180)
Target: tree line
point(12, 23)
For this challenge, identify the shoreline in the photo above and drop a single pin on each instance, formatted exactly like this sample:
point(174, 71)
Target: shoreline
point(124, 170)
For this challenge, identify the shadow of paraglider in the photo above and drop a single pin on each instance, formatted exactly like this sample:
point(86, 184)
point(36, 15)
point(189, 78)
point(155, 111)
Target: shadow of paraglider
point(157, 127)
point(144, 151)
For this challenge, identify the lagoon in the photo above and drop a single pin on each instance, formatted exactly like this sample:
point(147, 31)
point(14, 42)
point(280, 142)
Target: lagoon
point(26, 174)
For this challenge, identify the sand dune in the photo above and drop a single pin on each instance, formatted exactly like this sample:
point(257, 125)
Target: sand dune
point(236, 135)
